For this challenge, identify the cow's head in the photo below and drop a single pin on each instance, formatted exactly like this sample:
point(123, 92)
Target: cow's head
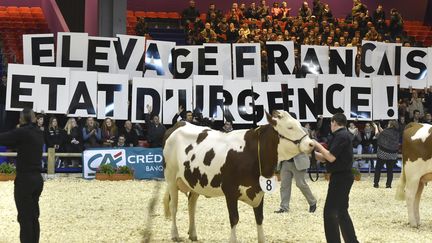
point(292, 137)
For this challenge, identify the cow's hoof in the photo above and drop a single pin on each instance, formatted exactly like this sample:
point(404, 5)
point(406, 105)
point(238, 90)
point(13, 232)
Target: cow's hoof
point(193, 238)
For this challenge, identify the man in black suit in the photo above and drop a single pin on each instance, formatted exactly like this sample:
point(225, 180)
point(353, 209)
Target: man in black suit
point(28, 141)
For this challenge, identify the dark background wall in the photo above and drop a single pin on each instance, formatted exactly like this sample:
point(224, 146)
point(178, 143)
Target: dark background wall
point(73, 13)
point(410, 9)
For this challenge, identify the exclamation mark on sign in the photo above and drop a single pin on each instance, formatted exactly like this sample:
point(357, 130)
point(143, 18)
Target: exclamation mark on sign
point(390, 92)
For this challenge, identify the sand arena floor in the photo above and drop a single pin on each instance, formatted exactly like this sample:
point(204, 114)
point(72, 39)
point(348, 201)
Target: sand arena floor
point(77, 210)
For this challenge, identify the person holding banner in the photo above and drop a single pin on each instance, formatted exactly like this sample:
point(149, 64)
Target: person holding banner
point(155, 129)
point(339, 160)
point(29, 141)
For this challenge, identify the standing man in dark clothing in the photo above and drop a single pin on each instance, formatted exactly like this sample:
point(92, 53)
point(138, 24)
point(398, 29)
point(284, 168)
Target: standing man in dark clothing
point(190, 13)
point(28, 140)
point(3, 84)
point(339, 160)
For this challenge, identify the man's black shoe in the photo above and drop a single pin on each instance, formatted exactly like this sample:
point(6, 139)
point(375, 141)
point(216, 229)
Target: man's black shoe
point(281, 211)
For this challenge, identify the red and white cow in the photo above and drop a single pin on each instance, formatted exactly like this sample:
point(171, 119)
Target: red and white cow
point(206, 162)
point(417, 167)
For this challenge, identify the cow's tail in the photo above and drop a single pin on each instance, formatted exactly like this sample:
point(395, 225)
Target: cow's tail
point(166, 201)
point(400, 191)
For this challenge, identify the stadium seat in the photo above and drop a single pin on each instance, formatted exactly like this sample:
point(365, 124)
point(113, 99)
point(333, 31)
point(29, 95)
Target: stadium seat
point(12, 9)
point(36, 10)
point(174, 15)
point(140, 14)
point(151, 15)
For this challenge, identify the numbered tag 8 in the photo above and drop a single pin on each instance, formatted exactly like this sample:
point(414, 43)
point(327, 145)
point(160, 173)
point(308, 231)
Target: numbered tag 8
point(268, 185)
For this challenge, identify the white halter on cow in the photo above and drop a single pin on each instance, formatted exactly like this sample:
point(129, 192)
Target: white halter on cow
point(206, 162)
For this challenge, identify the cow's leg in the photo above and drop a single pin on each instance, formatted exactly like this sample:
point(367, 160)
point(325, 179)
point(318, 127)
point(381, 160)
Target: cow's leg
point(173, 192)
point(417, 203)
point(410, 194)
point(259, 217)
point(192, 201)
point(233, 214)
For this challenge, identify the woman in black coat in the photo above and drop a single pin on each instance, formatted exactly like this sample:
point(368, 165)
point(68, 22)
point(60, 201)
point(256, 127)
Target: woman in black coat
point(54, 136)
point(387, 151)
point(73, 141)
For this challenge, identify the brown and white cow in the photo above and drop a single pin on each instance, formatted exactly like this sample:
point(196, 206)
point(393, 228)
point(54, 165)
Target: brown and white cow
point(417, 167)
point(206, 162)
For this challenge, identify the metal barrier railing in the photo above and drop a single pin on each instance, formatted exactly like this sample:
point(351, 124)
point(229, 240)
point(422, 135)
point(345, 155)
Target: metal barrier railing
point(51, 155)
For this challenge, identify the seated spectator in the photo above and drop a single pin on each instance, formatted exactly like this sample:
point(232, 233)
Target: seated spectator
point(207, 35)
point(121, 142)
point(415, 104)
point(327, 14)
point(284, 12)
point(263, 9)
point(155, 130)
point(54, 136)
point(275, 11)
point(305, 12)
point(232, 34)
point(129, 134)
point(109, 132)
point(252, 12)
point(416, 116)
point(396, 23)
point(91, 134)
point(244, 30)
point(318, 9)
point(73, 142)
point(227, 127)
point(141, 28)
point(358, 8)
point(40, 122)
point(212, 9)
point(191, 13)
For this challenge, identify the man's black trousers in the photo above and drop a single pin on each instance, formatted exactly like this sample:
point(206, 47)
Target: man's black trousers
point(28, 188)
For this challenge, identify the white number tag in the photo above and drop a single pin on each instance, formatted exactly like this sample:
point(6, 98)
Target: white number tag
point(268, 185)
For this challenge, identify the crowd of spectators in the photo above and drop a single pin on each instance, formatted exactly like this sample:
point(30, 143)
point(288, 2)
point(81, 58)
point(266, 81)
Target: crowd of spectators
point(314, 26)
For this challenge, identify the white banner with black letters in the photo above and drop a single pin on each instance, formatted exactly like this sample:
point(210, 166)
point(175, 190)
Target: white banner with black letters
point(176, 93)
point(384, 97)
point(269, 97)
point(220, 54)
point(247, 61)
point(302, 98)
point(238, 107)
point(113, 93)
point(83, 94)
point(414, 62)
point(146, 93)
point(333, 94)
point(358, 99)
point(208, 96)
point(157, 59)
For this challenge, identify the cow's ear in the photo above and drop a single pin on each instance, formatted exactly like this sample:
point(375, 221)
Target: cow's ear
point(270, 119)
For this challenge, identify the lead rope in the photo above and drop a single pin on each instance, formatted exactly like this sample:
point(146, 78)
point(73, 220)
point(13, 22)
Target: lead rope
point(259, 157)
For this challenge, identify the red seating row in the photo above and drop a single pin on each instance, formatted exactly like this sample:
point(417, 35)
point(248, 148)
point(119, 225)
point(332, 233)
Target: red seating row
point(153, 15)
point(21, 9)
